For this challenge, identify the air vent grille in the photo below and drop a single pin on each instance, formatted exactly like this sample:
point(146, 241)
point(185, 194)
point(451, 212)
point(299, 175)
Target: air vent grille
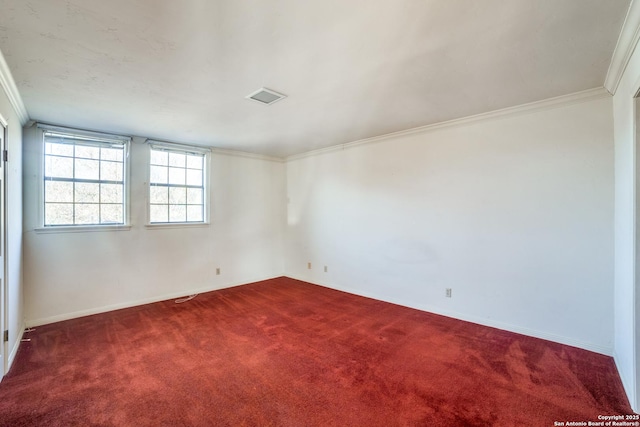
point(265, 96)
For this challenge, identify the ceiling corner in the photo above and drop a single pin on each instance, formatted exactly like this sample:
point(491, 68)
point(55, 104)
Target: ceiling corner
point(627, 41)
point(10, 88)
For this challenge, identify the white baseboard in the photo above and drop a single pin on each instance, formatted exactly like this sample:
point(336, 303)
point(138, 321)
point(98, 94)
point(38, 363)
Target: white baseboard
point(423, 307)
point(608, 351)
point(629, 386)
point(103, 309)
point(14, 350)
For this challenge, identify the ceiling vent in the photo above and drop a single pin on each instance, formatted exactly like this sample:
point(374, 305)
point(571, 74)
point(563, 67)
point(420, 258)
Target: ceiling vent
point(265, 96)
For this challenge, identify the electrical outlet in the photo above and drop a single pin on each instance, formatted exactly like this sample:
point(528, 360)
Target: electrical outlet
point(218, 271)
point(309, 265)
point(448, 293)
point(325, 269)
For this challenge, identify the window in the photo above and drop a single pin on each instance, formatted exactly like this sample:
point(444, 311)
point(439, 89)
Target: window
point(177, 190)
point(84, 178)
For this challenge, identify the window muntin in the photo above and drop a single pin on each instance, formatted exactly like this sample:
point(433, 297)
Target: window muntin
point(84, 180)
point(176, 185)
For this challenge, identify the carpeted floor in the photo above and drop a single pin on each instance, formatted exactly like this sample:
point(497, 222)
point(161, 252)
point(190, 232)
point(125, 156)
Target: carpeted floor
point(288, 353)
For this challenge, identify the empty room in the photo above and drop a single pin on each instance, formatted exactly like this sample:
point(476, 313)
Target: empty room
point(285, 213)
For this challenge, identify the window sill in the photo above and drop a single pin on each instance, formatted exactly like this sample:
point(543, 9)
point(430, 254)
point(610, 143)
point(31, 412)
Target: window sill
point(162, 226)
point(81, 228)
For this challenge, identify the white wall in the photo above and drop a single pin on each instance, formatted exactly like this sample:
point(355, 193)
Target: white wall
point(71, 274)
point(514, 213)
point(15, 319)
point(626, 190)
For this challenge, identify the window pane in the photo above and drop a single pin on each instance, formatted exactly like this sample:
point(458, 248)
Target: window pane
point(194, 162)
point(87, 169)
point(112, 154)
point(110, 193)
point(55, 191)
point(59, 149)
point(177, 195)
point(159, 213)
point(158, 175)
point(176, 176)
point(194, 196)
point(169, 203)
point(194, 213)
point(111, 171)
point(87, 214)
point(177, 160)
point(111, 214)
point(58, 167)
point(177, 213)
point(194, 177)
point(159, 158)
point(87, 152)
point(82, 180)
point(58, 214)
point(159, 194)
point(87, 193)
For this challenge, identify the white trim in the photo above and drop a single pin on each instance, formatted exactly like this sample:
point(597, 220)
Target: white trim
point(627, 41)
point(235, 153)
point(10, 88)
point(4, 246)
point(170, 146)
point(473, 319)
point(628, 388)
point(481, 321)
point(16, 347)
point(206, 184)
point(41, 130)
point(546, 104)
point(53, 229)
point(165, 297)
point(215, 150)
point(633, 398)
point(108, 137)
point(166, 225)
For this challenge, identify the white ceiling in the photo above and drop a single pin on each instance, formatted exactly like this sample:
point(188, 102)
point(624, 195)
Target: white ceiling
point(179, 70)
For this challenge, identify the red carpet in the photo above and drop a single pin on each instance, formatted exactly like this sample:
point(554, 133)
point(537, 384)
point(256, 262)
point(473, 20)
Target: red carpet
point(287, 353)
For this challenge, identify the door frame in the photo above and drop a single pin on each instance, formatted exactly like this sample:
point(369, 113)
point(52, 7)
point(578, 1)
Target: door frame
point(4, 316)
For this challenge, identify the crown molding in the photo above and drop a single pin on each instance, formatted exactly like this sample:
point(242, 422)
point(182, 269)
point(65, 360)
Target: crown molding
point(246, 154)
point(546, 104)
point(626, 45)
point(10, 88)
point(216, 150)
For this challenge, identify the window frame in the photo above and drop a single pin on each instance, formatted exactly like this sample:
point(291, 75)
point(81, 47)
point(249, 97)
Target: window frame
point(98, 136)
point(206, 183)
